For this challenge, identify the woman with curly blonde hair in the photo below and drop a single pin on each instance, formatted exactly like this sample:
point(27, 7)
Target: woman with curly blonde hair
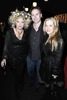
point(52, 50)
point(15, 46)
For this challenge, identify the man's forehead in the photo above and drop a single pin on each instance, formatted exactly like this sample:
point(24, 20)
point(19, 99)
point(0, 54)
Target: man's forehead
point(35, 11)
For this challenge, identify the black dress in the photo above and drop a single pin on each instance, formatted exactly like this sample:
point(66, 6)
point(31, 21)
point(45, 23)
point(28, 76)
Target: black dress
point(15, 53)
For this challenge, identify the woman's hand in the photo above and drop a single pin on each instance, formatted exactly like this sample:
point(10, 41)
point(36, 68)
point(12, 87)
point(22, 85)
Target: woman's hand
point(54, 76)
point(3, 63)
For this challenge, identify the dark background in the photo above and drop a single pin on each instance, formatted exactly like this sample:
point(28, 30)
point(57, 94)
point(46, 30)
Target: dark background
point(50, 8)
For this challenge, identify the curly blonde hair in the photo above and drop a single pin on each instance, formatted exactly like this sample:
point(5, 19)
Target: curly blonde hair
point(16, 14)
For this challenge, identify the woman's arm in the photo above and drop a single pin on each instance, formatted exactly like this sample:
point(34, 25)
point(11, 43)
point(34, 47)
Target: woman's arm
point(5, 50)
point(58, 59)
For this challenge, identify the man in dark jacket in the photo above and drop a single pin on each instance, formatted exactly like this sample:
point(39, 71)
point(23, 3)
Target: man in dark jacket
point(35, 37)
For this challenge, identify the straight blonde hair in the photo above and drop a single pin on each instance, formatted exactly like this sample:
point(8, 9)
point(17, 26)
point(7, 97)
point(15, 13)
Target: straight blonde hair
point(53, 40)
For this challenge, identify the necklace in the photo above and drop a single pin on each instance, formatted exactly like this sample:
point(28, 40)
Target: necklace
point(19, 33)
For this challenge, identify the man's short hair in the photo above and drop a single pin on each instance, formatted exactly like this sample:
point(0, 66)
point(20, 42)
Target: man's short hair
point(38, 8)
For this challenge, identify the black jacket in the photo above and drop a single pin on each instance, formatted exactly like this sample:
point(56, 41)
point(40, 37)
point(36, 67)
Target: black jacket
point(53, 59)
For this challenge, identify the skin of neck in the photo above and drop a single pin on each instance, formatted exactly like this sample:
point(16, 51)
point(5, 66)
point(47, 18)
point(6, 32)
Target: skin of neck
point(37, 24)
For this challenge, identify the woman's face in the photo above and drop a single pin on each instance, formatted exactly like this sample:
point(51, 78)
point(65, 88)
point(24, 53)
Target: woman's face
point(19, 23)
point(49, 27)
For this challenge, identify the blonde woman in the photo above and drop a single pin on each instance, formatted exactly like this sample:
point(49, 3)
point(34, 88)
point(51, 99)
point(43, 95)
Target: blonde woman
point(52, 53)
point(15, 46)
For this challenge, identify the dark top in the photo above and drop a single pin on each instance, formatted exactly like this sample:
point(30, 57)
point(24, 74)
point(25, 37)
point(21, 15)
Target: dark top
point(35, 40)
point(35, 44)
point(14, 49)
point(53, 59)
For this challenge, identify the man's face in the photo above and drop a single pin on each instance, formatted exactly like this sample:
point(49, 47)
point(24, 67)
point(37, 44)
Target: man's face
point(36, 15)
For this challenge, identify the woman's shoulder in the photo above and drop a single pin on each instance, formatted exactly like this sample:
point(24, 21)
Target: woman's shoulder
point(9, 32)
point(60, 42)
point(9, 29)
point(60, 39)
point(46, 37)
